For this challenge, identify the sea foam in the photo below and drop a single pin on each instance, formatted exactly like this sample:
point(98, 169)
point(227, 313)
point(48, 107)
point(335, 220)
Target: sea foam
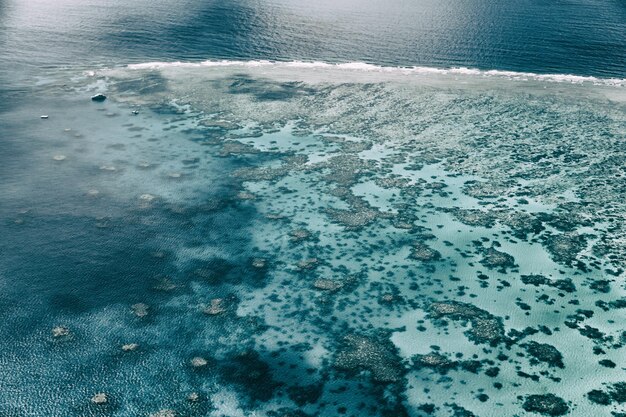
point(365, 67)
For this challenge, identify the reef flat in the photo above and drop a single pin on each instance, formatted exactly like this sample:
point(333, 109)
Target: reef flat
point(243, 240)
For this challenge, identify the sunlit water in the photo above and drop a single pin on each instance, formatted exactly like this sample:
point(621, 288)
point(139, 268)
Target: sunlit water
point(365, 228)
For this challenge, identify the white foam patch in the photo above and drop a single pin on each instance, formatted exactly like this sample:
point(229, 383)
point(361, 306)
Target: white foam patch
point(365, 67)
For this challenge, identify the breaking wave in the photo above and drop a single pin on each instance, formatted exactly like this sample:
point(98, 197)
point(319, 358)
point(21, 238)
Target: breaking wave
point(365, 67)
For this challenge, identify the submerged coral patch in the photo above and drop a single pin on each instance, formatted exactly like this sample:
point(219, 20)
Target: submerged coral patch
point(546, 404)
point(375, 355)
point(485, 328)
point(275, 240)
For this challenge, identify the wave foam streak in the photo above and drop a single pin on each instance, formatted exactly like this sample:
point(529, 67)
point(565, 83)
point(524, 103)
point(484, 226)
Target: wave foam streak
point(365, 67)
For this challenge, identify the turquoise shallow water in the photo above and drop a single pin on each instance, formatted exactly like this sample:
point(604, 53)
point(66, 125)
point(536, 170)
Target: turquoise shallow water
point(292, 209)
point(299, 240)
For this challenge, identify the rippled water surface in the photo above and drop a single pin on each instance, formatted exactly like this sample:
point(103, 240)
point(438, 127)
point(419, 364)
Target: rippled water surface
point(583, 37)
point(328, 209)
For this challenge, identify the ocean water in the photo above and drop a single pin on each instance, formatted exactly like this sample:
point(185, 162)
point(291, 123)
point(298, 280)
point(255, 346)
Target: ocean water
point(292, 209)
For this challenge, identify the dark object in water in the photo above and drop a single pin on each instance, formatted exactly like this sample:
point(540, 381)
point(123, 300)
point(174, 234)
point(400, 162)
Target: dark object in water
point(98, 97)
point(547, 405)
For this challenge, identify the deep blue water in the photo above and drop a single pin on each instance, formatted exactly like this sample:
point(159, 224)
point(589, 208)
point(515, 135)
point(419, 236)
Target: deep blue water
point(583, 37)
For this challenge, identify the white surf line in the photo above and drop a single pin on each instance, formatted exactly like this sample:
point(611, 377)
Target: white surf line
point(365, 67)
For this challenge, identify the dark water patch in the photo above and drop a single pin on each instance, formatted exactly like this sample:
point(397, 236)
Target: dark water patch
point(305, 394)
point(71, 255)
point(287, 412)
point(220, 271)
point(249, 372)
point(266, 90)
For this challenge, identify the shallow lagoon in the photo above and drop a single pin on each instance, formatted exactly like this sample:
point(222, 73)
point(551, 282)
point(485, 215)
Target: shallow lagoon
point(282, 241)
